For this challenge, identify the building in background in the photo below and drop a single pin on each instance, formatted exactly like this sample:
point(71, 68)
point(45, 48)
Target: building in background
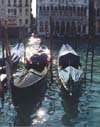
point(2, 13)
point(97, 19)
point(70, 17)
point(18, 14)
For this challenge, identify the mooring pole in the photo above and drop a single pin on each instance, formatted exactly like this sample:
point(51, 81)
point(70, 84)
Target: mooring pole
point(92, 64)
point(1, 93)
point(86, 61)
point(7, 54)
point(51, 48)
point(92, 30)
point(91, 36)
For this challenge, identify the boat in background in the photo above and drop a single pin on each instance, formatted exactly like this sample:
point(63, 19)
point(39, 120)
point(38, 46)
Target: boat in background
point(69, 71)
point(16, 53)
point(31, 83)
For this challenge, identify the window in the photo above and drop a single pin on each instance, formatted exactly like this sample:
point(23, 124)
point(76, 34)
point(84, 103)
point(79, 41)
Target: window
point(15, 12)
point(2, 1)
point(20, 21)
point(26, 3)
point(55, 8)
point(85, 9)
point(40, 8)
point(26, 11)
point(44, 8)
point(78, 11)
point(79, 27)
point(98, 24)
point(26, 21)
point(84, 28)
point(52, 8)
point(14, 2)
point(41, 26)
point(8, 11)
point(47, 8)
point(9, 4)
point(62, 1)
point(46, 26)
point(98, 11)
point(20, 11)
point(20, 3)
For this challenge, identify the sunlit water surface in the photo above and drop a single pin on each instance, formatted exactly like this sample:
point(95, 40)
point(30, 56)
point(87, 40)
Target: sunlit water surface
point(56, 109)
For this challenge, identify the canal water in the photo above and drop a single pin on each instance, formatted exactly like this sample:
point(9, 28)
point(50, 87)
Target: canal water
point(57, 109)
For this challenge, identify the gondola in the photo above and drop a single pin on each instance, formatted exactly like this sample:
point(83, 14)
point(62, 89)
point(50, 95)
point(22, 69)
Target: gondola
point(16, 54)
point(69, 70)
point(31, 84)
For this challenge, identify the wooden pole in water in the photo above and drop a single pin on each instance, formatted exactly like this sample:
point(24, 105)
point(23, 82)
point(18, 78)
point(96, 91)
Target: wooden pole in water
point(91, 35)
point(51, 48)
point(7, 54)
point(92, 31)
point(1, 93)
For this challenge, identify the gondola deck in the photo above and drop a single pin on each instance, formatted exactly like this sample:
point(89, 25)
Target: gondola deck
point(30, 77)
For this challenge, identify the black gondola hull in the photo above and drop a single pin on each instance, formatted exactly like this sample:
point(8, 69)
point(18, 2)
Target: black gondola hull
point(29, 94)
point(71, 88)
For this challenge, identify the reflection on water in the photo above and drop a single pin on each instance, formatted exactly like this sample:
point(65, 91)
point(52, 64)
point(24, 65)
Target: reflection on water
point(57, 109)
point(23, 117)
point(70, 106)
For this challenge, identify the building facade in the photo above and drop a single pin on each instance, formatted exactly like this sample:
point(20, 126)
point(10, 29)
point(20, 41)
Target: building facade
point(69, 17)
point(97, 19)
point(18, 15)
point(2, 11)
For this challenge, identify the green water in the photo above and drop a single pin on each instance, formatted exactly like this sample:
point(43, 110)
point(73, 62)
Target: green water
point(56, 109)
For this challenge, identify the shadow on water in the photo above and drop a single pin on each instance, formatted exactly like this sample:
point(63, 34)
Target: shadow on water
point(70, 107)
point(24, 112)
